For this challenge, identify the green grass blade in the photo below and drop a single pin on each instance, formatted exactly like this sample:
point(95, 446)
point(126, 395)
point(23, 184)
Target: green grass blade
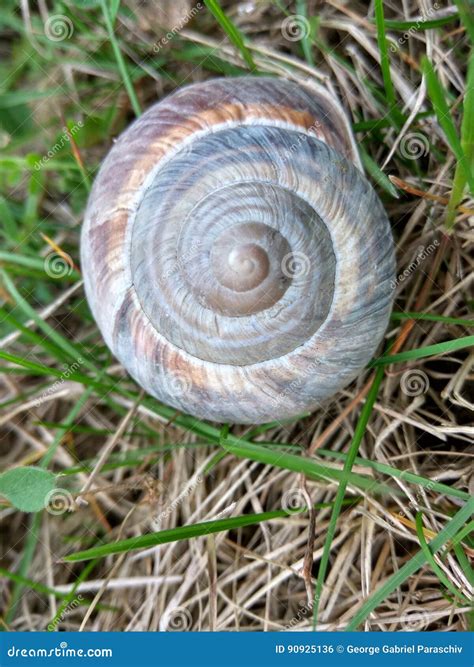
point(383, 50)
point(231, 31)
point(428, 351)
point(377, 174)
point(36, 586)
point(72, 594)
point(303, 465)
point(464, 564)
point(412, 566)
point(8, 221)
point(403, 475)
point(30, 262)
point(306, 44)
point(443, 114)
point(467, 17)
point(467, 146)
point(175, 534)
point(25, 563)
point(431, 318)
point(349, 462)
point(32, 336)
point(29, 365)
point(120, 61)
point(463, 533)
point(420, 24)
point(431, 561)
point(62, 342)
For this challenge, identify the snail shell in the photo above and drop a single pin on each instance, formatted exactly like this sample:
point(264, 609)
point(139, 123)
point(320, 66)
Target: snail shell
point(235, 258)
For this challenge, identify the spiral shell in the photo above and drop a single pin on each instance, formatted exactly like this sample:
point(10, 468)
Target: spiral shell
point(235, 258)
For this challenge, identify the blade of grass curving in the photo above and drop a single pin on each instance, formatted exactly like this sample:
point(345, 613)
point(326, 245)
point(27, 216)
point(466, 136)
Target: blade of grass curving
point(428, 351)
point(175, 535)
point(191, 531)
point(26, 560)
point(412, 566)
point(443, 114)
point(431, 561)
point(8, 221)
point(306, 44)
point(72, 594)
point(341, 490)
point(467, 18)
point(464, 564)
point(114, 8)
point(119, 58)
point(36, 586)
point(32, 336)
point(431, 318)
point(383, 50)
point(39, 369)
point(33, 197)
point(62, 342)
point(31, 366)
point(420, 24)
point(300, 464)
point(404, 475)
point(30, 262)
point(231, 31)
point(244, 449)
point(467, 144)
point(462, 534)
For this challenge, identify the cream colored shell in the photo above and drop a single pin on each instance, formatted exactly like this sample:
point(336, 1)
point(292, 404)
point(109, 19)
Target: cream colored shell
point(235, 258)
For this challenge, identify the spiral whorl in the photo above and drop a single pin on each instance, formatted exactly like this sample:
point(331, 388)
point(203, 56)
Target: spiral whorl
point(237, 262)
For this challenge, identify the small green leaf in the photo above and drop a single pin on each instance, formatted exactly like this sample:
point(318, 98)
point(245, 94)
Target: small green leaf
point(27, 488)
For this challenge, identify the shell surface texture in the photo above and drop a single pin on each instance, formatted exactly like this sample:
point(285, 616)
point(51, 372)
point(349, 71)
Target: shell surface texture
point(235, 258)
